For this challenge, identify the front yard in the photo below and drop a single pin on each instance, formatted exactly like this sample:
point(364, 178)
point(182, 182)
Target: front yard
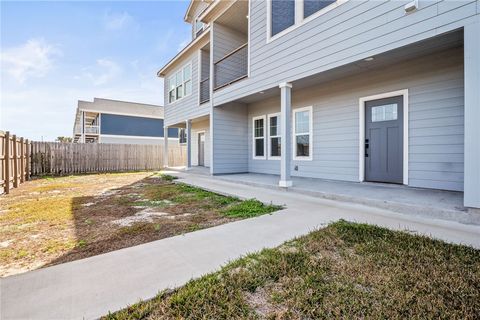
point(347, 270)
point(55, 220)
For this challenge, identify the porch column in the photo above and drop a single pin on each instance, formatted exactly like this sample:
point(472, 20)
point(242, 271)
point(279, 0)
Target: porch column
point(471, 196)
point(285, 121)
point(165, 147)
point(188, 131)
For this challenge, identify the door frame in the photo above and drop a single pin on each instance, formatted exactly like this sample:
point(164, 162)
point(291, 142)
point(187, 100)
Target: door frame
point(198, 146)
point(361, 149)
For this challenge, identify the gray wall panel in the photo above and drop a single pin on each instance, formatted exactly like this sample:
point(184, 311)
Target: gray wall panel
point(435, 86)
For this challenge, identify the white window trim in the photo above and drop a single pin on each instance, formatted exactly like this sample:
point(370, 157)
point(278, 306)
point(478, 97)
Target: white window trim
point(264, 157)
point(310, 134)
point(361, 149)
point(279, 135)
point(183, 83)
point(299, 19)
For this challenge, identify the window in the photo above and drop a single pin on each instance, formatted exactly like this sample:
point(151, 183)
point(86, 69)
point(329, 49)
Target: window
point(384, 113)
point(302, 128)
point(286, 15)
point(283, 15)
point(259, 137)
point(198, 28)
point(182, 135)
point(274, 137)
point(312, 6)
point(180, 84)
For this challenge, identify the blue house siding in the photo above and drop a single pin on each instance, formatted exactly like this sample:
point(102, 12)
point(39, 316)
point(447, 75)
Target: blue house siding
point(114, 124)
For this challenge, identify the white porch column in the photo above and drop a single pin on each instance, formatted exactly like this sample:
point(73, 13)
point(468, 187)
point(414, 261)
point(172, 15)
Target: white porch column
point(471, 196)
point(188, 131)
point(165, 146)
point(285, 129)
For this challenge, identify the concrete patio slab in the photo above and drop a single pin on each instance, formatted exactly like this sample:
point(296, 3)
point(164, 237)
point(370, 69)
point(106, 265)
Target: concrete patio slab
point(428, 203)
point(89, 288)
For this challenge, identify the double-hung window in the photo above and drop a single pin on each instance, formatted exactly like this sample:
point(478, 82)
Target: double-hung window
point(274, 136)
point(182, 136)
point(302, 129)
point(180, 84)
point(312, 6)
point(259, 137)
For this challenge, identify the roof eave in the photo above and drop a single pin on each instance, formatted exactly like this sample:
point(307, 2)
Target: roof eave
point(162, 71)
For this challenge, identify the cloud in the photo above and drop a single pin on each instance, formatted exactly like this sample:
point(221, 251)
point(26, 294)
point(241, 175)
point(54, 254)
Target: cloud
point(102, 73)
point(35, 58)
point(117, 20)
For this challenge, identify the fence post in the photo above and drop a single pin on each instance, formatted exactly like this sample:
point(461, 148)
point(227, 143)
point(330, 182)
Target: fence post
point(22, 160)
point(7, 162)
point(27, 160)
point(15, 161)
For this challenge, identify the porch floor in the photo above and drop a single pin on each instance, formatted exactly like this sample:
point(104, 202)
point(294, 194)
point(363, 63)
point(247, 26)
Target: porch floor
point(398, 198)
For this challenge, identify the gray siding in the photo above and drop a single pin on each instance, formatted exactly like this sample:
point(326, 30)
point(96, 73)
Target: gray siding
point(350, 32)
point(186, 108)
point(230, 139)
point(436, 122)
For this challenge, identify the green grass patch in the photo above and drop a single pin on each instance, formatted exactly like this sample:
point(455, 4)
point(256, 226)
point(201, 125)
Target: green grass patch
point(249, 208)
point(346, 270)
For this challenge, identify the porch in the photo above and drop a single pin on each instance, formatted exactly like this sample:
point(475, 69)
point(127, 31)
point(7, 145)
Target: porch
point(427, 203)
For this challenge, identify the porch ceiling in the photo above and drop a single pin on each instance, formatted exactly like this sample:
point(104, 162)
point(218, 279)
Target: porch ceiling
point(416, 50)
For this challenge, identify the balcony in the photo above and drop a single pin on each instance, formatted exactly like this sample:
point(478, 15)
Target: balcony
point(204, 90)
point(232, 67)
point(92, 130)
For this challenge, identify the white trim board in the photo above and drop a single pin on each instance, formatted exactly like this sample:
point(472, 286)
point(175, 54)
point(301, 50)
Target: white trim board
point(361, 149)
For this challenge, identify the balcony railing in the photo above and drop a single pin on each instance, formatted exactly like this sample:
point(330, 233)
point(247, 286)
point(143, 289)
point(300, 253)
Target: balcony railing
point(204, 90)
point(232, 67)
point(92, 129)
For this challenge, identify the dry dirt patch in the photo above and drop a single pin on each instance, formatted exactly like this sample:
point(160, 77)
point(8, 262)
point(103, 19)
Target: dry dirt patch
point(54, 220)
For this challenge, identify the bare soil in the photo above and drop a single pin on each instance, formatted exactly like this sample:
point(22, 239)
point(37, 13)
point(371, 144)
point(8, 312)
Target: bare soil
point(55, 220)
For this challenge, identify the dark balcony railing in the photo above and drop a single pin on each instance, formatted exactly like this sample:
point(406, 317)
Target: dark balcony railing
point(232, 67)
point(205, 90)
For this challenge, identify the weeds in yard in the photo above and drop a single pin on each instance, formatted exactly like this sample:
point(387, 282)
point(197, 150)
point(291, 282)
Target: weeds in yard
point(346, 270)
point(249, 209)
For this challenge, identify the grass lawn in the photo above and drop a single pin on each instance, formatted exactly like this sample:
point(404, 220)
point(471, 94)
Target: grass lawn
point(54, 220)
point(346, 270)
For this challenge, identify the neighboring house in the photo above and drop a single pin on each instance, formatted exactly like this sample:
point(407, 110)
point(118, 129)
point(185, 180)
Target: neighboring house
point(380, 91)
point(112, 121)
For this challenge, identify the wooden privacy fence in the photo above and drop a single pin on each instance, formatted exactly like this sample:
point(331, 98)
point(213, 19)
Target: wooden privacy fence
point(70, 158)
point(14, 161)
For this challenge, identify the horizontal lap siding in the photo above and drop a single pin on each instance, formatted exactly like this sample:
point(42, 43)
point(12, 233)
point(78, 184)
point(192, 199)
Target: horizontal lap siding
point(230, 139)
point(188, 107)
point(351, 31)
point(436, 105)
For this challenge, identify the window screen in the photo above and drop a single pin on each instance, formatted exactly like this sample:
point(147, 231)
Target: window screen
point(312, 6)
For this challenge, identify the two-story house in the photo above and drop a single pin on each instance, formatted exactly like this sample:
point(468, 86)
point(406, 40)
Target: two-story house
point(351, 90)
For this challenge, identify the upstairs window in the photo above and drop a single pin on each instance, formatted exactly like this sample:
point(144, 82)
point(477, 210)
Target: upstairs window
point(180, 84)
point(312, 6)
point(198, 27)
point(283, 15)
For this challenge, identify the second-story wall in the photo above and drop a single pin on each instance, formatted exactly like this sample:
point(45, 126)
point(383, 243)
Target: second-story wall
point(188, 107)
point(349, 32)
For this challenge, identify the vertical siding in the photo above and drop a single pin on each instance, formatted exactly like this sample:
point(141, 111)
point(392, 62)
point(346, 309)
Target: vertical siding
point(230, 139)
point(436, 110)
point(352, 31)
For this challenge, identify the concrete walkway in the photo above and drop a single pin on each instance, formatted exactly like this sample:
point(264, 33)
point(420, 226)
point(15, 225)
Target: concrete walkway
point(89, 288)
